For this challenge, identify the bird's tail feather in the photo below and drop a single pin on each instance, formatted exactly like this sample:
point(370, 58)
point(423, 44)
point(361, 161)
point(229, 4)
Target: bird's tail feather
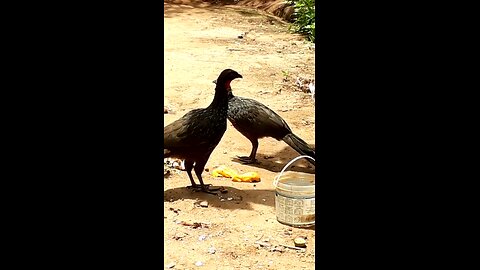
point(300, 146)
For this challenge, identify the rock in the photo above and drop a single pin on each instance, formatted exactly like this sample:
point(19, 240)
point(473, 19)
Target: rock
point(262, 244)
point(212, 250)
point(280, 249)
point(198, 263)
point(170, 265)
point(204, 204)
point(179, 236)
point(300, 242)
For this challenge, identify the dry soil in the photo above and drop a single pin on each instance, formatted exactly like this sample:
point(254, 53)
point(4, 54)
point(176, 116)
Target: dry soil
point(201, 40)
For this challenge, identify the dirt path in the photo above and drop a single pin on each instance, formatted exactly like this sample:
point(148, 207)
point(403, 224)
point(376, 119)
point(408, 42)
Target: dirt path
point(200, 41)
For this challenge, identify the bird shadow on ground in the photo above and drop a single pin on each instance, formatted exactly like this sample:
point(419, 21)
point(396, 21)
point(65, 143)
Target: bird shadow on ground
point(233, 199)
point(280, 160)
point(240, 199)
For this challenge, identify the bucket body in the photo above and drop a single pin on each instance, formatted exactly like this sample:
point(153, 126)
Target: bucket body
point(295, 199)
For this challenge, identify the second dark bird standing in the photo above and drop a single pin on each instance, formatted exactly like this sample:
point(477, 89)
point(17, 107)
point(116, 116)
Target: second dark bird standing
point(254, 120)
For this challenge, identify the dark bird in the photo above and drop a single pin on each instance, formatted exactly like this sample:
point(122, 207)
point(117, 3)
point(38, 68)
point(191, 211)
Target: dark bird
point(255, 120)
point(194, 136)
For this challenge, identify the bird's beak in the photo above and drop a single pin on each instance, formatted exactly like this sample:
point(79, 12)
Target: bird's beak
point(214, 81)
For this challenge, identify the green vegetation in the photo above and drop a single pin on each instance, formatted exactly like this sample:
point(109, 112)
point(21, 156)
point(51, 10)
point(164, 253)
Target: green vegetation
point(304, 18)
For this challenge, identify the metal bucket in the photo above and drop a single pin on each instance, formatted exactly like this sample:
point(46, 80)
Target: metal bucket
point(295, 197)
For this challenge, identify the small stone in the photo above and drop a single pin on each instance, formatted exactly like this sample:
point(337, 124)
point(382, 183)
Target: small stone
point(170, 265)
point(179, 236)
point(230, 199)
point(198, 263)
point(204, 204)
point(262, 244)
point(202, 237)
point(300, 242)
point(212, 250)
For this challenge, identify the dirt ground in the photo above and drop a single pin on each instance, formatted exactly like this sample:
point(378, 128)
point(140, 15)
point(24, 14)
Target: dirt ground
point(201, 40)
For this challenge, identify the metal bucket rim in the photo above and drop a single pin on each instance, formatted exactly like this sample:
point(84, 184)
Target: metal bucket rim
point(275, 180)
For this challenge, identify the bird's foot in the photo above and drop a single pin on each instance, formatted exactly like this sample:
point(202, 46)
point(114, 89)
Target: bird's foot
point(247, 160)
point(195, 186)
point(204, 188)
point(210, 190)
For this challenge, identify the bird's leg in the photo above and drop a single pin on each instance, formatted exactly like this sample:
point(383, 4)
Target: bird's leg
point(198, 171)
point(251, 159)
point(188, 168)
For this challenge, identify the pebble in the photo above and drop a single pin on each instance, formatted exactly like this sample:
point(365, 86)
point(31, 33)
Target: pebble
point(300, 242)
point(179, 236)
point(198, 263)
point(202, 237)
point(170, 265)
point(280, 249)
point(204, 204)
point(212, 250)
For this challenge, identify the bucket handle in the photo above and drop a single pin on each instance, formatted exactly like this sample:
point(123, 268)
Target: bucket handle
point(275, 180)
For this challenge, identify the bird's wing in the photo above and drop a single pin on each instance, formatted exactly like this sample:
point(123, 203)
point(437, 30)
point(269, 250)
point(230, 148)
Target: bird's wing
point(257, 114)
point(188, 131)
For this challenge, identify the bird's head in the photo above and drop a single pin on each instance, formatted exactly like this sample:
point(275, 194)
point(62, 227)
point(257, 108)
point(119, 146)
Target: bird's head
point(226, 77)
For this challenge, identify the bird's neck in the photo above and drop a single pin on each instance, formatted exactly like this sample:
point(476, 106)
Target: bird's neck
point(230, 93)
point(220, 99)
